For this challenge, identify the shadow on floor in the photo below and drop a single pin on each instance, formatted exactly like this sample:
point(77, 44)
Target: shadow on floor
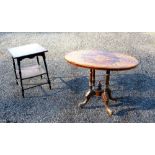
point(77, 84)
point(136, 103)
point(137, 82)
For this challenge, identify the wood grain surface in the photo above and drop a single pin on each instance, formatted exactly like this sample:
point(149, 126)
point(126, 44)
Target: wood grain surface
point(101, 60)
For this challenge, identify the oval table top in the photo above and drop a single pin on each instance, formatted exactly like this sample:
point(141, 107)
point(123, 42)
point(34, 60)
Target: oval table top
point(101, 60)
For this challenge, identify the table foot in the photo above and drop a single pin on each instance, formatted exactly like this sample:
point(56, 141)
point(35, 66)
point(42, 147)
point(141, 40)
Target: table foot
point(23, 93)
point(49, 85)
point(17, 82)
point(105, 98)
point(88, 95)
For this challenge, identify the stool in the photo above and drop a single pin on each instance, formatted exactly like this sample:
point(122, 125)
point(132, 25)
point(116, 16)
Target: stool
point(22, 73)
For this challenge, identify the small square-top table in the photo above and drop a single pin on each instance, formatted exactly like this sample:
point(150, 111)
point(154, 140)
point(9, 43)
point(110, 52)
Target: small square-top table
point(29, 51)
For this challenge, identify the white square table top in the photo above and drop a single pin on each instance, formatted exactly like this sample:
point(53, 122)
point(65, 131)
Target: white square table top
point(26, 50)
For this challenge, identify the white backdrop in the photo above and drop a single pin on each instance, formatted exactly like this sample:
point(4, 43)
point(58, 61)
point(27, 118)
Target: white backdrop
point(77, 16)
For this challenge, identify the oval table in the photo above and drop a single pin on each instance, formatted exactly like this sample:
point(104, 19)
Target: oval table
point(100, 60)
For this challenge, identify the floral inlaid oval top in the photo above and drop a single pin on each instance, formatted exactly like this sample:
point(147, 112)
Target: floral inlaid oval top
point(102, 60)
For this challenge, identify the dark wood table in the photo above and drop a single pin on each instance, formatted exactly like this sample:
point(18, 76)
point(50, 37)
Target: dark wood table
point(29, 51)
point(100, 60)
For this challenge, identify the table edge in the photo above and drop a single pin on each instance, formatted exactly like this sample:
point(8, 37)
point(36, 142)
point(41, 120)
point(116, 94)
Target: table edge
point(101, 68)
point(28, 54)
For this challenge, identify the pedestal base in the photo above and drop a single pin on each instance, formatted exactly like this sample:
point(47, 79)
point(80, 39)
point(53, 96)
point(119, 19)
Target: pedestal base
point(106, 93)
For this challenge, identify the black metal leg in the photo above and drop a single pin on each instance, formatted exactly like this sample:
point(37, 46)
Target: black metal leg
point(38, 60)
point(39, 64)
point(20, 75)
point(14, 66)
point(44, 59)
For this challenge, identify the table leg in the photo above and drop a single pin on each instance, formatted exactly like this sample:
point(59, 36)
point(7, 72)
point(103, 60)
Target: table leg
point(14, 66)
point(44, 59)
point(38, 60)
point(93, 78)
point(38, 64)
point(91, 92)
point(20, 75)
point(106, 95)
